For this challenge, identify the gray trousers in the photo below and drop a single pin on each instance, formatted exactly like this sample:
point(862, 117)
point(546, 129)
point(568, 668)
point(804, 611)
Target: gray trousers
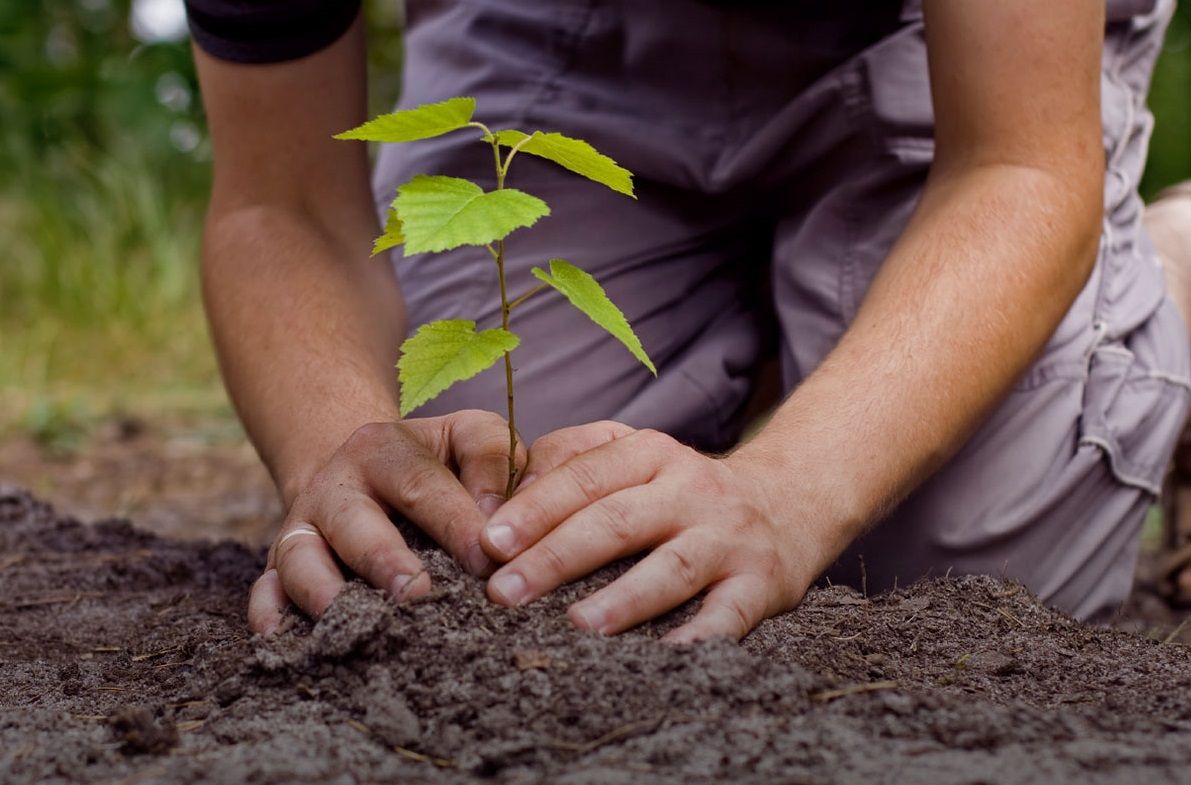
point(779, 150)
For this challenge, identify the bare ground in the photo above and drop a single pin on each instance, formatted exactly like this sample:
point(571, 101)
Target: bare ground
point(124, 658)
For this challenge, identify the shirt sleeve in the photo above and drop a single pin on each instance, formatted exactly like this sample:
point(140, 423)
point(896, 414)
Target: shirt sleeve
point(268, 31)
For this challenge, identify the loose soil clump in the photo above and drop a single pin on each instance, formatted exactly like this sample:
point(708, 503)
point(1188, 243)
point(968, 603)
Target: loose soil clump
point(124, 657)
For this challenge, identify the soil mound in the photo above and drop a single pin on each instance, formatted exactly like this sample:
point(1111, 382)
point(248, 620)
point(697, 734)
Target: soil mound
point(124, 657)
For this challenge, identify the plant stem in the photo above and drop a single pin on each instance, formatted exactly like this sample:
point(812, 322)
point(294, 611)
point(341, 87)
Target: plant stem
point(540, 287)
point(505, 309)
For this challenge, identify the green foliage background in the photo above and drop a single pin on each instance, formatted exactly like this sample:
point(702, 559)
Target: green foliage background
point(103, 181)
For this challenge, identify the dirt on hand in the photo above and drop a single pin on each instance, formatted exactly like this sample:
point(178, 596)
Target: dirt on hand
point(125, 657)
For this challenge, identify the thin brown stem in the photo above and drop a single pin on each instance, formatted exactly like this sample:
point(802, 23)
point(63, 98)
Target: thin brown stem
point(517, 301)
point(505, 309)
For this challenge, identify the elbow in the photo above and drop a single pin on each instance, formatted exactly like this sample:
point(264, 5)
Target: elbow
point(1067, 200)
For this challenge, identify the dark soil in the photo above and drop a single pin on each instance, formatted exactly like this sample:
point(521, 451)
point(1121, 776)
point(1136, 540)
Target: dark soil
point(124, 658)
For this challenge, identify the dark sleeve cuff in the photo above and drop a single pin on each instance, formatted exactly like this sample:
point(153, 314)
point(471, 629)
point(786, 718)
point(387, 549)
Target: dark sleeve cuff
point(268, 31)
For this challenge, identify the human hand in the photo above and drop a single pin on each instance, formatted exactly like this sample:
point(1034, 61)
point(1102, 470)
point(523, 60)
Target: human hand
point(600, 492)
point(342, 512)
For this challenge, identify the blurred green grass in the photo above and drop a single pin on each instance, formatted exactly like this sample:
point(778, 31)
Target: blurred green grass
point(1170, 101)
point(103, 183)
point(104, 176)
point(103, 180)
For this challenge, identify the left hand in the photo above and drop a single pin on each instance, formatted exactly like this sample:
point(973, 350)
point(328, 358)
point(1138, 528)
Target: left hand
point(597, 493)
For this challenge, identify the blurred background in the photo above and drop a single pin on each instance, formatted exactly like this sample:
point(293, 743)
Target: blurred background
point(103, 179)
point(110, 400)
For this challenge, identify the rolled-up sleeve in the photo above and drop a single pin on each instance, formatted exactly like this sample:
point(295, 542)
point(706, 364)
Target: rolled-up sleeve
point(268, 31)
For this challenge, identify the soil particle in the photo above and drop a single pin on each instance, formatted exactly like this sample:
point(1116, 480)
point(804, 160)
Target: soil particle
point(124, 656)
point(139, 731)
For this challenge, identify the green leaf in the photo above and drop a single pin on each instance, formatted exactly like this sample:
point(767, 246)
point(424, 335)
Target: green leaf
point(586, 294)
point(574, 154)
point(422, 122)
point(439, 213)
point(442, 353)
point(393, 235)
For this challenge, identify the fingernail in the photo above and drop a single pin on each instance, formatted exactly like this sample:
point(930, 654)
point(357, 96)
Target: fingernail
point(400, 586)
point(503, 539)
point(490, 503)
point(590, 616)
point(526, 480)
point(478, 562)
point(509, 587)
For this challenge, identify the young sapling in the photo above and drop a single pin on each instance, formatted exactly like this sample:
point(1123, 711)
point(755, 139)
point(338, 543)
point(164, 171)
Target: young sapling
point(434, 213)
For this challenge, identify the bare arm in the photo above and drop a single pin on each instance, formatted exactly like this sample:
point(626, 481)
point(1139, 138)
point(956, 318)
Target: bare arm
point(307, 327)
point(306, 324)
point(1001, 243)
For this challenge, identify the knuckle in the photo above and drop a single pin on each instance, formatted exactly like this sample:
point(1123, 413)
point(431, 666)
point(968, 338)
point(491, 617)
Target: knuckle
point(417, 484)
point(553, 561)
point(548, 447)
point(650, 436)
point(615, 516)
point(375, 562)
point(368, 437)
point(584, 478)
point(343, 515)
point(738, 615)
point(495, 454)
point(454, 536)
point(659, 444)
point(531, 511)
point(485, 418)
point(613, 428)
point(656, 438)
point(471, 423)
point(741, 617)
point(683, 567)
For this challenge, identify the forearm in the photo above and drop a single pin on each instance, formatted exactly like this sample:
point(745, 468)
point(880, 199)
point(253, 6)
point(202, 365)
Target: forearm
point(991, 261)
point(305, 323)
point(306, 327)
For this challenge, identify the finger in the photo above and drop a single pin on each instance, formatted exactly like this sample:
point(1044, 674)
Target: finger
point(613, 527)
point(555, 496)
point(266, 603)
point(558, 447)
point(730, 610)
point(308, 573)
point(479, 444)
point(424, 490)
point(668, 577)
point(364, 539)
point(404, 466)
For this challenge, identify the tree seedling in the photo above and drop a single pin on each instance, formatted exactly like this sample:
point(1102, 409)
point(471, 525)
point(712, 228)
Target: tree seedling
point(434, 213)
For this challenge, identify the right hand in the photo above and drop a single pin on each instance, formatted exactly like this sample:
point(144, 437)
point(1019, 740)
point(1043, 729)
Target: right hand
point(445, 474)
